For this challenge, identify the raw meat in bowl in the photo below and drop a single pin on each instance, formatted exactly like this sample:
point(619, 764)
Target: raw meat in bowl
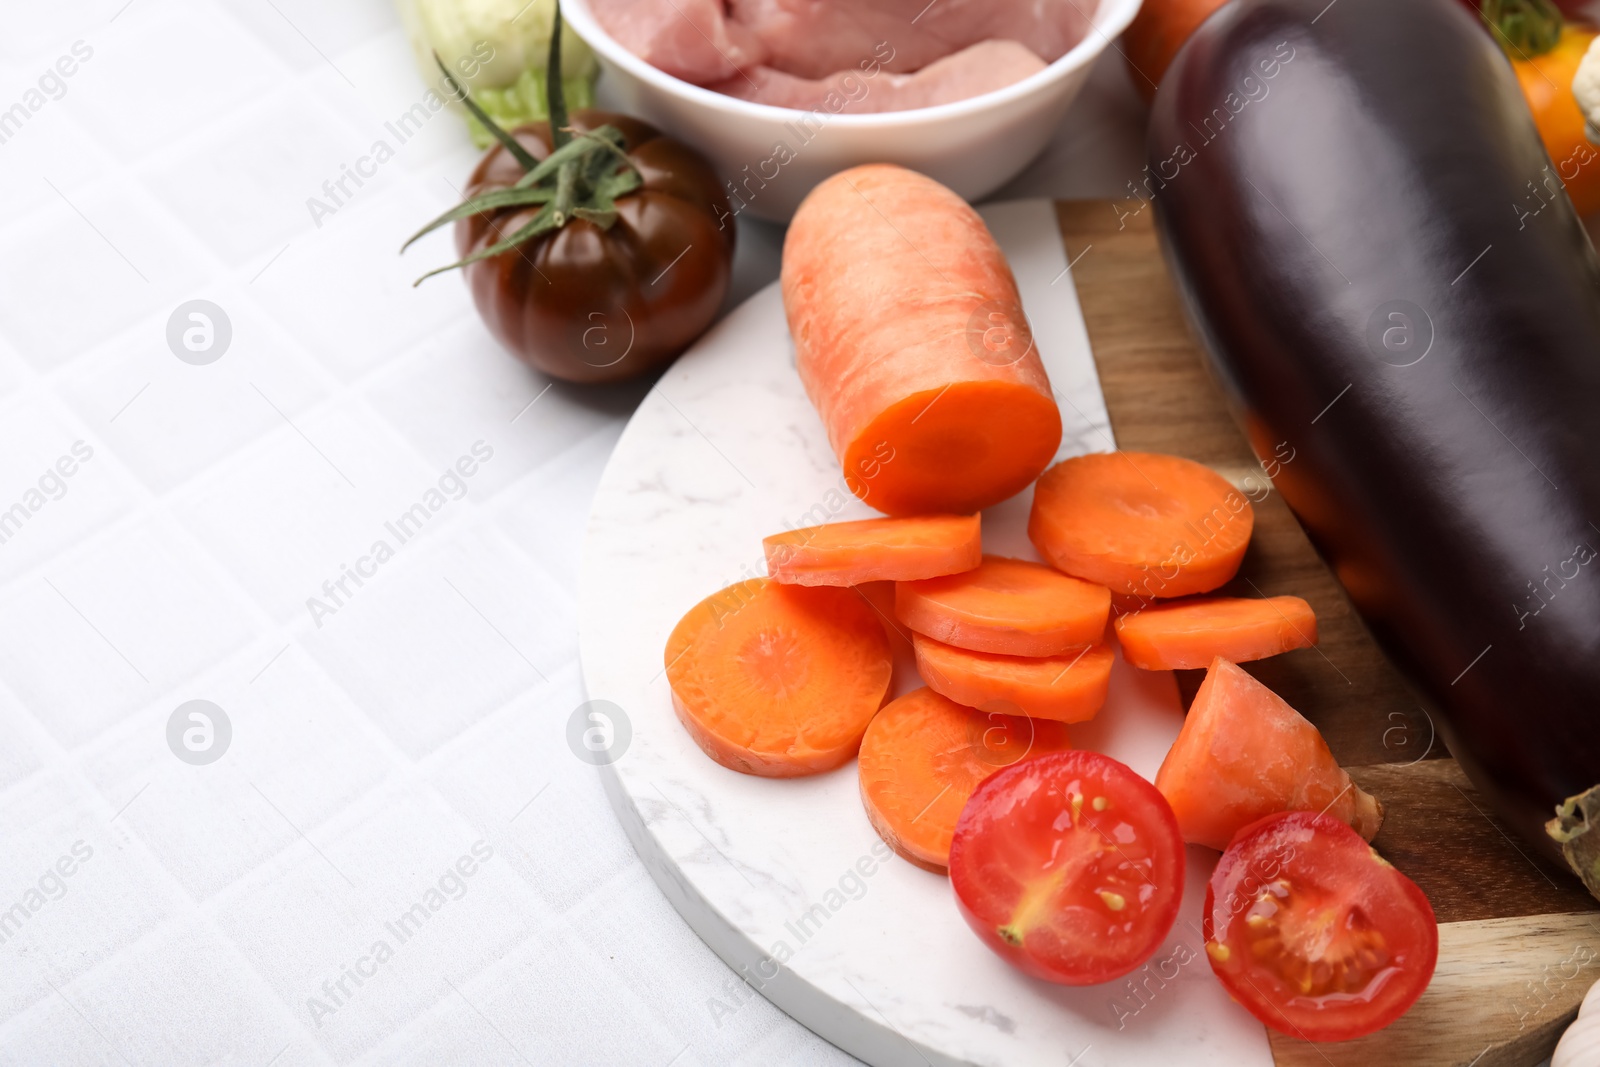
point(861, 55)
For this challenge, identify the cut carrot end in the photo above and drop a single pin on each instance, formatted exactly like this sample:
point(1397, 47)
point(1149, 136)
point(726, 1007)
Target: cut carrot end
point(873, 550)
point(1007, 606)
point(1140, 523)
point(1068, 688)
point(1367, 818)
point(776, 680)
point(923, 756)
point(958, 449)
point(1243, 754)
point(1189, 634)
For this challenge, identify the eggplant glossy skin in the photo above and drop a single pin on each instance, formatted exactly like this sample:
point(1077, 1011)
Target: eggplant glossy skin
point(1371, 246)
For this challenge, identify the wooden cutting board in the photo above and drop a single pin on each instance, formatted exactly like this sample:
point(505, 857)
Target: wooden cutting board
point(1519, 940)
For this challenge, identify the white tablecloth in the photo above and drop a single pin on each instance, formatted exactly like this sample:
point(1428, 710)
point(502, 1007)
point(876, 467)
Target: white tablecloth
point(394, 858)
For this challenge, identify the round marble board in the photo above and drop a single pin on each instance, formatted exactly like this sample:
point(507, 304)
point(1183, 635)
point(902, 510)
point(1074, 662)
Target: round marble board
point(786, 880)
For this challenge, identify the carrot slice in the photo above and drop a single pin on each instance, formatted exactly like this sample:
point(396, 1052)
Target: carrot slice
point(875, 550)
point(911, 341)
point(1009, 606)
point(1244, 754)
point(1141, 523)
point(923, 756)
point(778, 680)
point(1192, 633)
point(1069, 688)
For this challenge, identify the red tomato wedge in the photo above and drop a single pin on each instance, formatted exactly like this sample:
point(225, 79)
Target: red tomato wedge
point(1069, 865)
point(1314, 932)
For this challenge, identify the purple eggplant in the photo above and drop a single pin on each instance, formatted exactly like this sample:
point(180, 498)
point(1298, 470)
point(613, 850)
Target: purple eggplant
point(1385, 273)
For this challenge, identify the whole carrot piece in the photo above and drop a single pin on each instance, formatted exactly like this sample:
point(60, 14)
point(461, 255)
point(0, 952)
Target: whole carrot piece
point(910, 338)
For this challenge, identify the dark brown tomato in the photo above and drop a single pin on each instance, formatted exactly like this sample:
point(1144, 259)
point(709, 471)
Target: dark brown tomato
point(590, 305)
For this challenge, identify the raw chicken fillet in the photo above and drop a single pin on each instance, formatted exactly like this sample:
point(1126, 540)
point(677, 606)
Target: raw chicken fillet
point(848, 55)
point(973, 71)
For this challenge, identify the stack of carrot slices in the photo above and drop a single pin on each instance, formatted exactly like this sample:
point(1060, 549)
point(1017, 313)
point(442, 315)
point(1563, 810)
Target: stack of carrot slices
point(1013, 632)
point(787, 675)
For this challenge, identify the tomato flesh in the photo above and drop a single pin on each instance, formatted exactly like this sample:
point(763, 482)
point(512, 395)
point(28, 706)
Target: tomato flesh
point(1314, 932)
point(1069, 865)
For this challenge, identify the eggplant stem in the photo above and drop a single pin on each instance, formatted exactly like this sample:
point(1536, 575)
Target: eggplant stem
point(1576, 828)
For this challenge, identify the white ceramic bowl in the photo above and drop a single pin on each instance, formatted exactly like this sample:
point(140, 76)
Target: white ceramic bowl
point(973, 146)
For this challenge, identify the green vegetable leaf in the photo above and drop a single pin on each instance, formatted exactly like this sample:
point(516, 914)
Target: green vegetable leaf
point(525, 102)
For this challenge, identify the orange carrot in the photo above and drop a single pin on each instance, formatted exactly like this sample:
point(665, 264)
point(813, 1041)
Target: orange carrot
point(911, 341)
point(778, 680)
point(922, 758)
point(1141, 523)
point(1008, 606)
point(875, 550)
point(1244, 754)
point(1191, 633)
point(1068, 688)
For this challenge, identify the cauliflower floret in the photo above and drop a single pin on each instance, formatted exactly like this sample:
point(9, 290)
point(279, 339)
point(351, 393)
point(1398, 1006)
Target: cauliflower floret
point(1586, 87)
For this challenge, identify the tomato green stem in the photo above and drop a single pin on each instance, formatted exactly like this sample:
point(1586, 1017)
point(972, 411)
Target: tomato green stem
point(553, 90)
point(566, 193)
point(511, 144)
point(582, 177)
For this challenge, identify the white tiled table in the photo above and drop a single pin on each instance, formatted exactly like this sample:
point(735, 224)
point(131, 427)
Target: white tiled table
point(409, 733)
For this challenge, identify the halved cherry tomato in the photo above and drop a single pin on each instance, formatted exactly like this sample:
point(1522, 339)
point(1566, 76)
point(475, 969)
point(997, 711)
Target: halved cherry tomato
point(1068, 865)
point(1314, 932)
